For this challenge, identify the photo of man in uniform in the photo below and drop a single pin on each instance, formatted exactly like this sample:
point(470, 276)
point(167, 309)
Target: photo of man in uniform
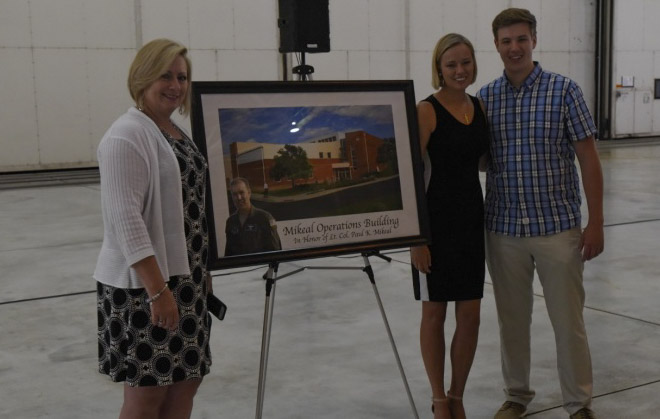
point(249, 229)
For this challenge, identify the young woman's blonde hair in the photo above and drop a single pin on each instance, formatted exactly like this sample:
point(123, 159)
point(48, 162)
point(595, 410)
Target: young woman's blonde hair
point(448, 41)
point(152, 61)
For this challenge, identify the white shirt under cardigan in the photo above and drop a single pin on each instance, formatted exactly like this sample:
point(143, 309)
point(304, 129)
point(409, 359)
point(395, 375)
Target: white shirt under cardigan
point(141, 202)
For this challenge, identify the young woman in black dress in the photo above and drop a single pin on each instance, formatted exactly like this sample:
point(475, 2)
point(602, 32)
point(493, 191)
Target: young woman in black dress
point(453, 131)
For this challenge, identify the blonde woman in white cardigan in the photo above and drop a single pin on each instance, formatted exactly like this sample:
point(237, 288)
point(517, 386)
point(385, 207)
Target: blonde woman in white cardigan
point(153, 325)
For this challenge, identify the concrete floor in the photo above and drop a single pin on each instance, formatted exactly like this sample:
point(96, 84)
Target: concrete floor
point(330, 355)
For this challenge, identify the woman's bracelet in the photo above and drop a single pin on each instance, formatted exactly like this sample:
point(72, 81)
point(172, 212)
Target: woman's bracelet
point(156, 295)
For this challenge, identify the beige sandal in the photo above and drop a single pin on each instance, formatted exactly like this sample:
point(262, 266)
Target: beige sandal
point(456, 405)
point(437, 400)
point(452, 397)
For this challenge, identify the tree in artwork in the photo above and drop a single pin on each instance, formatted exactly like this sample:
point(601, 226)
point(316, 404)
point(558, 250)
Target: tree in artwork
point(291, 162)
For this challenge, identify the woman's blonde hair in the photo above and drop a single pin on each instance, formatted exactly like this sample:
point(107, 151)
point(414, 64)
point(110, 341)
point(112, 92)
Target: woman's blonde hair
point(448, 41)
point(152, 61)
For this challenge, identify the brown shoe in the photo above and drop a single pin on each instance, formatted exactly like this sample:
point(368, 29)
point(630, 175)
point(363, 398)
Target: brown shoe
point(511, 410)
point(584, 413)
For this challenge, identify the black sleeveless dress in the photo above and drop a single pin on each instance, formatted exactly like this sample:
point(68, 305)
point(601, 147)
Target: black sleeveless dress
point(455, 206)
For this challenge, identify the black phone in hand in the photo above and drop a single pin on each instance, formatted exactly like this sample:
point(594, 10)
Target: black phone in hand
point(215, 306)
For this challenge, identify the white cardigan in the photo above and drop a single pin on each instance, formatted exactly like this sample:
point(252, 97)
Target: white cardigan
point(141, 202)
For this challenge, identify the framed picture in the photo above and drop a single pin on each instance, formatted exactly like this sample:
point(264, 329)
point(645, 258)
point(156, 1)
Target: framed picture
point(309, 169)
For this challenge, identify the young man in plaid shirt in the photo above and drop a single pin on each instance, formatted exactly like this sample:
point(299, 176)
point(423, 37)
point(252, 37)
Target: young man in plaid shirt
point(539, 123)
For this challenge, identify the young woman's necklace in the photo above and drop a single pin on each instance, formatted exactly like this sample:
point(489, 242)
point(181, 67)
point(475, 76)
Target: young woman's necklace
point(466, 109)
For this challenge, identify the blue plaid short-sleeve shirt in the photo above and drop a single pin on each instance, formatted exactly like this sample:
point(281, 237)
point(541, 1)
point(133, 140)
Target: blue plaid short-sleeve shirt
point(532, 184)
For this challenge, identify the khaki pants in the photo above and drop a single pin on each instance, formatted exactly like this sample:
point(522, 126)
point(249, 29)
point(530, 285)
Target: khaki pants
point(558, 262)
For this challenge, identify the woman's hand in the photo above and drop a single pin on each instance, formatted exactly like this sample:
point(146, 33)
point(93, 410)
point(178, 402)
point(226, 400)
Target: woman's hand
point(420, 257)
point(164, 311)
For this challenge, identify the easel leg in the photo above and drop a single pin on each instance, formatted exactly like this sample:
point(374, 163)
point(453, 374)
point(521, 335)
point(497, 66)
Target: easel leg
point(265, 337)
point(370, 274)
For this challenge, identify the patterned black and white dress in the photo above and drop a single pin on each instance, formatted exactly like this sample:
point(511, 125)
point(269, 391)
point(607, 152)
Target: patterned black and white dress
point(133, 350)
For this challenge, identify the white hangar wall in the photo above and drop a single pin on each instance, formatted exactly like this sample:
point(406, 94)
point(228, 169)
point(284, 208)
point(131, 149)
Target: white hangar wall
point(636, 68)
point(64, 62)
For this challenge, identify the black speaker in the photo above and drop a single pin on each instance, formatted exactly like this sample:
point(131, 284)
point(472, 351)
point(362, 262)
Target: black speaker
point(304, 26)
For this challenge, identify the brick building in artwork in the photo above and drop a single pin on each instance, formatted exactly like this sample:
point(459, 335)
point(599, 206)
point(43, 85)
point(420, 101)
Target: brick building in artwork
point(341, 156)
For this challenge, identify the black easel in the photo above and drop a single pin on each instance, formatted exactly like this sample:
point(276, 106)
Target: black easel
point(271, 278)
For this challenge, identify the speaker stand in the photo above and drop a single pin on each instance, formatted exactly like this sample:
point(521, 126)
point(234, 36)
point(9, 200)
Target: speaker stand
point(303, 70)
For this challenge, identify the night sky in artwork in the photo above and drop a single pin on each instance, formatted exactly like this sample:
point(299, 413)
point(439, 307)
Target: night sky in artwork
point(274, 125)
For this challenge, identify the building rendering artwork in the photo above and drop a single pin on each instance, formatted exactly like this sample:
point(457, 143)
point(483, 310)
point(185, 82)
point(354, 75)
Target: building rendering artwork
point(342, 156)
point(333, 164)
